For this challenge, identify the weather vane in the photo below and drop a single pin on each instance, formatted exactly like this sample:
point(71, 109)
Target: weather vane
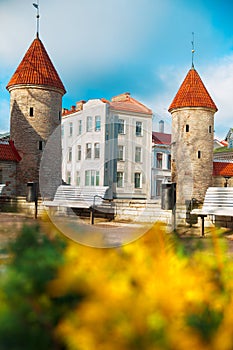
point(193, 50)
point(36, 5)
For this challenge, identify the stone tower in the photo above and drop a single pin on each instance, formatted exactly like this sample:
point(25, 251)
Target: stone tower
point(192, 113)
point(35, 113)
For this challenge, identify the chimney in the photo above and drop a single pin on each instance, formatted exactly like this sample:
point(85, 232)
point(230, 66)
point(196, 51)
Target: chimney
point(161, 126)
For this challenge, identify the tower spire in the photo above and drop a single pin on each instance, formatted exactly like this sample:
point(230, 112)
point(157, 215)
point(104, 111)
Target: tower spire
point(193, 50)
point(36, 5)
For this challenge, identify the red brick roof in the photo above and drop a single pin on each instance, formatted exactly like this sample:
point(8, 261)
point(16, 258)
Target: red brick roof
point(8, 152)
point(36, 68)
point(192, 93)
point(222, 169)
point(125, 102)
point(161, 138)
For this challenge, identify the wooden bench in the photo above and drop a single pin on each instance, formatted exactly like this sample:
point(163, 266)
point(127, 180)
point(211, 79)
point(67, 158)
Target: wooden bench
point(218, 202)
point(79, 197)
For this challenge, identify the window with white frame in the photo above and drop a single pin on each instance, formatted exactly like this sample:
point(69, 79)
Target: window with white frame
point(88, 150)
point(120, 179)
point(92, 178)
point(97, 123)
point(137, 180)
point(121, 126)
point(96, 150)
point(89, 124)
point(70, 129)
point(79, 152)
point(159, 160)
point(68, 177)
point(169, 161)
point(69, 154)
point(77, 178)
point(138, 154)
point(120, 152)
point(80, 127)
point(138, 130)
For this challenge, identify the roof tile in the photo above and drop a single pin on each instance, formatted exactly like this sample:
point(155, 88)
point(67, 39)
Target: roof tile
point(222, 169)
point(192, 93)
point(36, 68)
point(8, 152)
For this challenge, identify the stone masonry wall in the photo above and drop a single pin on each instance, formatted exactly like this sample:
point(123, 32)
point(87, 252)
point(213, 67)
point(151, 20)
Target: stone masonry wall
point(30, 133)
point(192, 152)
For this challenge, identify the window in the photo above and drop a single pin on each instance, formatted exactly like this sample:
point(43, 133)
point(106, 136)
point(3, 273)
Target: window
point(88, 150)
point(137, 180)
point(120, 153)
point(79, 127)
point(79, 152)
point(92, 178)
point(77, 178)
point(69, 154)
point(68, 177)
point(120, 176)
point(31, 112)
point(199, 154)
point(70, 129)
point(59, 116)
point(97, 123)
point(62, 131)
point(138, 129)
point(158, 188)
point(187, 128)
point(210, 129)
point(1, 177)
point(41, 145)
point(96, 150)
point(159, 160)
point(89, 124)
point(169, 161)
point(138, 154)
point(121, 126)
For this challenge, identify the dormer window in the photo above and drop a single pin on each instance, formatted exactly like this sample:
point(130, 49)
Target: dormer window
point(31, 111)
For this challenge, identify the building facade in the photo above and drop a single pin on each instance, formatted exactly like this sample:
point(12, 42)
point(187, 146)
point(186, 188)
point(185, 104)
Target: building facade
point(108, 143)
point(161, 162)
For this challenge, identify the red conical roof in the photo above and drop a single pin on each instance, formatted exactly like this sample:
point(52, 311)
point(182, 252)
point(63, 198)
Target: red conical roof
point(36, 68)
point(192, 93)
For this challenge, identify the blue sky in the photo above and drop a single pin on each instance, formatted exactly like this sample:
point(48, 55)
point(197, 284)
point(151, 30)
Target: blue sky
point(106, 47)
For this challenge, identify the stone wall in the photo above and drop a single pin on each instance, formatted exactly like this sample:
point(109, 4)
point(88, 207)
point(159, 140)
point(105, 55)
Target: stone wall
point(192, 152)
point(35, 115)
point(8, 178)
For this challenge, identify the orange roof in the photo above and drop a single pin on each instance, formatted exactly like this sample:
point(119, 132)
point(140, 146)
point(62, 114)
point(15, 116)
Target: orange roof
point(222, 169)
point(192, 93)
point(125, 102)
point(36, 68)
point(8, 152)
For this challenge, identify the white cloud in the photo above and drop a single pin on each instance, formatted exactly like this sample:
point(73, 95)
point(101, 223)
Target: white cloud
point(4, 116)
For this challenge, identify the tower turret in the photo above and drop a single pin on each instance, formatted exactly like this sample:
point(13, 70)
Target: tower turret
point(192, 113)
point(35, 112)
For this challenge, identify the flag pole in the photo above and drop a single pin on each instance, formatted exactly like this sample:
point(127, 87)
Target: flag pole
point(37, 18)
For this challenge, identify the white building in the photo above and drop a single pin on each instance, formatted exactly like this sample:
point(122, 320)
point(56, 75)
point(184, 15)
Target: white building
point(108, 143)
point(161, 160)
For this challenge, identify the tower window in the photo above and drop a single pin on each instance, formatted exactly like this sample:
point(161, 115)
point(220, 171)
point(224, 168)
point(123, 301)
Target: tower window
point(187, 128)
point(59, 116)
point(31, 111)
point(210, 129)
point(41, 145)
point(199, 154)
